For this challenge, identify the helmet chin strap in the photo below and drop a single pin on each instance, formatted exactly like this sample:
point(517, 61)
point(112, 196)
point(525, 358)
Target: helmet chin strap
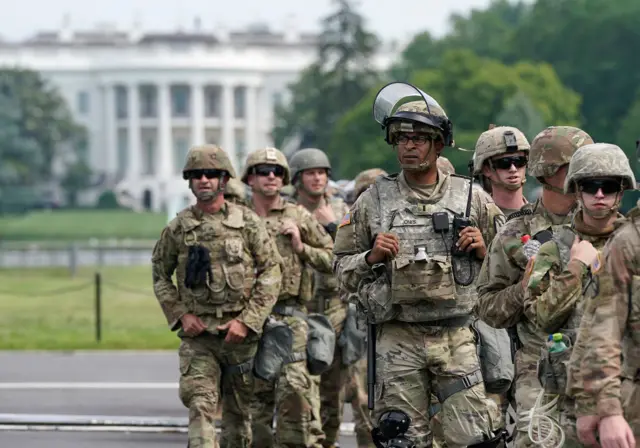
point(600, 214)
point(209, 196)
point(420, 167)
point(510, 187)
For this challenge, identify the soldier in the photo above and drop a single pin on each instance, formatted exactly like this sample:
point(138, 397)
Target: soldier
point(228, 279)
point(302, 242)
point(310, 171)
point(445, 165)
point(605, 364)
point(500, 287)
point(500, 161)
point(413, 274)
point(561, 281)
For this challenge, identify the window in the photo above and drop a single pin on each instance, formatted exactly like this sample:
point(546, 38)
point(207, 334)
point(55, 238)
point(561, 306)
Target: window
point(149, 156)
point(123, 152)
point(180, 101)
point(83, 102)
point(239, 94)
point(241, 149)
point(122, 107)
point(276, 99)
point(148, 102)
point(212, 101)
point(180, 148)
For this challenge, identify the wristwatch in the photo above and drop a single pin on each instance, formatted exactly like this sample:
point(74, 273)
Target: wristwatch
point(331, 229)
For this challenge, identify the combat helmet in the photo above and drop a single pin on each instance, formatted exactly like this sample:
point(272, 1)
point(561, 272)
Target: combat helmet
point(365, 179)
point(599, 160)
point(401, 107)
point(553, 148)
point(266, 156)
point(207, 157)
point(306, 159)
point(235, 190)
point(497, 141)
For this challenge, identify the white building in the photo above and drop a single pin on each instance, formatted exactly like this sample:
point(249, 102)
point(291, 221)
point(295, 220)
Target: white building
point(147, 97)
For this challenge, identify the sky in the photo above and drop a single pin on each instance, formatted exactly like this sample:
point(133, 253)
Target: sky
point(389, 19)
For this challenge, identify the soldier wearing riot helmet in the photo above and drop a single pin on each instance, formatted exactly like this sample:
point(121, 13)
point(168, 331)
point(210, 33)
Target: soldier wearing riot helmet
point(500, 161)
point(228, 279)
point(303, 244)
point(310, 173)
point(501, 291)
point(412, 272)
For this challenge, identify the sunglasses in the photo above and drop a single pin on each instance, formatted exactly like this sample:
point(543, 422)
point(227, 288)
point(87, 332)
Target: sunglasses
point(209, 174)
point(608, 186)
point(265, 170)
point(505, 162)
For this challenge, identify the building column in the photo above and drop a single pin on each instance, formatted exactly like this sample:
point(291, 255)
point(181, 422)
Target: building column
point(228, 124)
point(252, 129)
point(110, 130)
point(197, 114)
point(134, 166)
point(165, 154)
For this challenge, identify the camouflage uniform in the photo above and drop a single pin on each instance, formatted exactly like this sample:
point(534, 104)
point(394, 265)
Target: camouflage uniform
point(326, 300)
point(445, 165)
point(235, 192)
point(500, 291)
point(424, 342)
point(295, 395)
point(243, 285)
point(600, 384)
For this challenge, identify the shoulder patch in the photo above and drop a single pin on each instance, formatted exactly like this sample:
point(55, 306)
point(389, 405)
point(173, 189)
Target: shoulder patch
point(346, 220)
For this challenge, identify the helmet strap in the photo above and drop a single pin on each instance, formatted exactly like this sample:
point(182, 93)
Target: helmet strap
point(510, 187)
point(423, 166)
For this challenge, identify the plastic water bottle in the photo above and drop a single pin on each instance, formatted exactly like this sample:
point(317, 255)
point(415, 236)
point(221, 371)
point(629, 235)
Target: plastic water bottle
point(556, 344)
point(530, 246)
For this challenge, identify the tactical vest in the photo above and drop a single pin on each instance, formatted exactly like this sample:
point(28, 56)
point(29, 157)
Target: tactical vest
point(423, 287)
point(293, 266)
point(232, 267)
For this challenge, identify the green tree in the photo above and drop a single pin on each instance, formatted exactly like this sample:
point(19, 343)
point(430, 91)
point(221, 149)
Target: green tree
point(474, 92)
point(338, 79)
point(36, 127)
point(520, 112)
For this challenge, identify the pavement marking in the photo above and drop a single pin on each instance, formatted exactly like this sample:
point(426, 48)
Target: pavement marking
point(98, 386)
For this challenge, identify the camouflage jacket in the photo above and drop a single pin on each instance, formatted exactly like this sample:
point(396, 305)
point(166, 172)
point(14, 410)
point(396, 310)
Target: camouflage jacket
point(358, 229)
point(610, 332)
point(317, 253)
point(245, 271)
point(493, 215)
point(500, 292)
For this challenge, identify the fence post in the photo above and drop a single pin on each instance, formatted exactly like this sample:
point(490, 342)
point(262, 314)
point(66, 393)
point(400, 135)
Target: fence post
point(98, 288)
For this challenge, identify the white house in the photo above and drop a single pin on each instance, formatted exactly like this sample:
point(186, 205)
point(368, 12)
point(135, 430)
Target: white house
point(147, 97)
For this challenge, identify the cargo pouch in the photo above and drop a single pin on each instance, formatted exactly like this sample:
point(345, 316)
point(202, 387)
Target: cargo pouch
point(552, 371)
point(494, 353)
point(321, 340)
point(431, 280)
point(274, 348)
point(353, 340)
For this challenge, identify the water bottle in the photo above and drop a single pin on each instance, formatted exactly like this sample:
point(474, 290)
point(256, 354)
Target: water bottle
point(530, 246)
point(556, 344)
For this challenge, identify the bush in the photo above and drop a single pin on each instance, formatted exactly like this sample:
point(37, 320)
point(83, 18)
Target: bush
point(108, 201)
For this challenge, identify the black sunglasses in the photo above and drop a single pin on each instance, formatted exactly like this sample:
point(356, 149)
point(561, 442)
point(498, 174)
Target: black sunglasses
point(265, 170)
point(505, 162)
point(608, 186)
point(197, 174)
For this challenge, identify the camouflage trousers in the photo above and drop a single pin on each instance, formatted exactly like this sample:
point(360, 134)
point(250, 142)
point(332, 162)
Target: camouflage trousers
point(412, 361)
point(333, 381)
point(207, 365)
point(527, 390)
point(296, 398)
point(356, 395)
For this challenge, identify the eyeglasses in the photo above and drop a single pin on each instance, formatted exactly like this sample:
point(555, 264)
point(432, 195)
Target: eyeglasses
point(209, 174)
point(419, 139)
point(505, 163)
point(608, 186)
point(265, 170)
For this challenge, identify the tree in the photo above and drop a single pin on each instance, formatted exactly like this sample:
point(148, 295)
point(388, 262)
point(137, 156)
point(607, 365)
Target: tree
point(474, 92)
point(36, 128)
point(334, 83)
point(520, 113)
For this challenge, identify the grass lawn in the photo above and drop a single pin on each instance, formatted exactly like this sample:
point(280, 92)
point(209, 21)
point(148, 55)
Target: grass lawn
point(46, 309)
point(82, 224)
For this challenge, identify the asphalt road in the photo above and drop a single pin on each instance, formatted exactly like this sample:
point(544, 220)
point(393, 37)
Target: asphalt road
point(117, 384)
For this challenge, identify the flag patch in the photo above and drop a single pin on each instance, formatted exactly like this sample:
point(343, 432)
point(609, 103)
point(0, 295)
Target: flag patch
point(346, 220)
